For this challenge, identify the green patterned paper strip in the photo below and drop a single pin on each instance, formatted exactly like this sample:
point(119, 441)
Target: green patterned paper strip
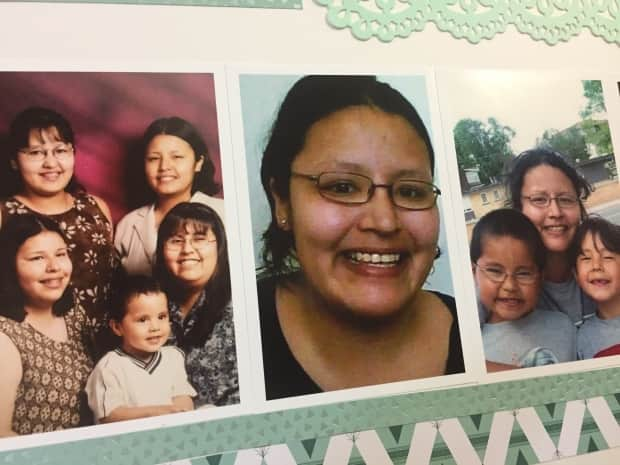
point(279, 4)
point(520, 437)
point(214, 437)
point(474, 20)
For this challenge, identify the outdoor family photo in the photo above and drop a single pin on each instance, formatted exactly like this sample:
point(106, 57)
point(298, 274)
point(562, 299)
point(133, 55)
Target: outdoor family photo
point(541, 201)
point(114, 271)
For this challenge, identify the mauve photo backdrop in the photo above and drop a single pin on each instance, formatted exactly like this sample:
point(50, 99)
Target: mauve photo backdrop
point(109, 111)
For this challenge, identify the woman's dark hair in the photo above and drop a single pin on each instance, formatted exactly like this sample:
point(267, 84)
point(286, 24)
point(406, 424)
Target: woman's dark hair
point(311, 99)
point(204, 181)
point(529, 159)
point(217, 290)
point(37, 119)
point(607, 232)
point(512, 223)
point(17, 230)
point(125, 287)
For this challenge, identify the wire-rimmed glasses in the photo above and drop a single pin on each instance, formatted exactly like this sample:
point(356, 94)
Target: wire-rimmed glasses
point(354, 188)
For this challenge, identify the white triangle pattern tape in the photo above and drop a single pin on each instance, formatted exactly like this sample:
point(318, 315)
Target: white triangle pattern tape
point(458, 442)
point(499, 438)
point(421, 448)
point(373, 452)
point(338, 450)
point(571, 428)
point(605, 420)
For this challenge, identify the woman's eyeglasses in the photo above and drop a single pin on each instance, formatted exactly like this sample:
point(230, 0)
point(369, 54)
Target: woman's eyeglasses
point(60, 153)
point(353, 188)
point(543, 201)
point(198, 241)
point(498, 275)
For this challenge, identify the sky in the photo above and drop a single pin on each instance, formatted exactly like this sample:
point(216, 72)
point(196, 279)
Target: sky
point(526, 101)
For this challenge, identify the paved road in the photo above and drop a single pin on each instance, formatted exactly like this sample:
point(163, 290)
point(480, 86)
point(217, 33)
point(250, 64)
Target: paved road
point(610, 211)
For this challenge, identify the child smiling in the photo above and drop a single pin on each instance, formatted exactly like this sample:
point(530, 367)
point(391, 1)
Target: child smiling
point(507, 258)
point(140, 378)
point(597, 267)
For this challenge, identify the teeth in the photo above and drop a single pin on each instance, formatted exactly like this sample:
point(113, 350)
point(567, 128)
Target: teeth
point(375, 258)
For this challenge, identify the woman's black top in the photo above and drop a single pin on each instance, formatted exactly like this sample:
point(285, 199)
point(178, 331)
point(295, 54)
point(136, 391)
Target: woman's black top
point(284, 376)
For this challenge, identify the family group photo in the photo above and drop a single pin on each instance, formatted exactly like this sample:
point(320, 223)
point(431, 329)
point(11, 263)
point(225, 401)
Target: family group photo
point(541, 202)
point(114, 267)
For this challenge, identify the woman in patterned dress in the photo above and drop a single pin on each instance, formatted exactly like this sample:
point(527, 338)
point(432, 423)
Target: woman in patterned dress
point(44, 361)
point(38, 177)
point(192, 265)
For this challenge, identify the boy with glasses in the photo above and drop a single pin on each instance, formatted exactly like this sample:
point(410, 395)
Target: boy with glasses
point(508, 256)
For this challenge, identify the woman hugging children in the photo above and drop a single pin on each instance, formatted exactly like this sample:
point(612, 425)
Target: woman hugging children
point(543, 262)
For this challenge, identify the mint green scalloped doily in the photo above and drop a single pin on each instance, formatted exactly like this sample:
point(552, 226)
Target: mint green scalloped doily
point(549, 20)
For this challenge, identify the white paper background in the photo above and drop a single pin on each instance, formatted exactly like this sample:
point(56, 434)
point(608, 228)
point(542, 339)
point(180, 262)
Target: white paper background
point(56, 36)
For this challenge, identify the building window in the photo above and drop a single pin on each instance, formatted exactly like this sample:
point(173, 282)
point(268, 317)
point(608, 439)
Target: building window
point(484, 198)
point(469, 215)
point(496, 195)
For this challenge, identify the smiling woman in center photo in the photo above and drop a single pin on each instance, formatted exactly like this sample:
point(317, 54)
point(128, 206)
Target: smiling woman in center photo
point(348, 172)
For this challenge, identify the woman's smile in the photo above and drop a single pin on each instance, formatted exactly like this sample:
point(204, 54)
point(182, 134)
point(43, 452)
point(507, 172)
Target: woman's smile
point(51, 176)
point(191, 255)
point(375, 258)
point(43, 268)
point(370, 258)
point(373, 264)
point(54, 283)
point(166, 178)
point(189, 261)
point(556, 225)
point(170, 165)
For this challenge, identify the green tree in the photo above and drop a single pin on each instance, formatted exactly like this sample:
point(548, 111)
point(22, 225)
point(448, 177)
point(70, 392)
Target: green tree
point(595, 126)
point(593, 92)
point(571, 142)
point(597, 133)
point(485, 146)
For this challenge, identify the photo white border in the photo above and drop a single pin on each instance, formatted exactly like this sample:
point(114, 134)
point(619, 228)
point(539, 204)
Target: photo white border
point(471, 353)
point(613, 116)
point(232, 232)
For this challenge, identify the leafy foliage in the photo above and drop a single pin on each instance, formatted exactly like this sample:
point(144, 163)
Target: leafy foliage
point(485, 146)
point(593, 92)
point(570, 142)
point(588, 137)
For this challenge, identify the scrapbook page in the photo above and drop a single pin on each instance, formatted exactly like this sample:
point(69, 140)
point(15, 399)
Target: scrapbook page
point(255, 264)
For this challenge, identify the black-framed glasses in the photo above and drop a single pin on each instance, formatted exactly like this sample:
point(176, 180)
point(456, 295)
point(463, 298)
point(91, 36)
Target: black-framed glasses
point(60, 152)
point(354, 188)
point(564, 201)
point(498, 275)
